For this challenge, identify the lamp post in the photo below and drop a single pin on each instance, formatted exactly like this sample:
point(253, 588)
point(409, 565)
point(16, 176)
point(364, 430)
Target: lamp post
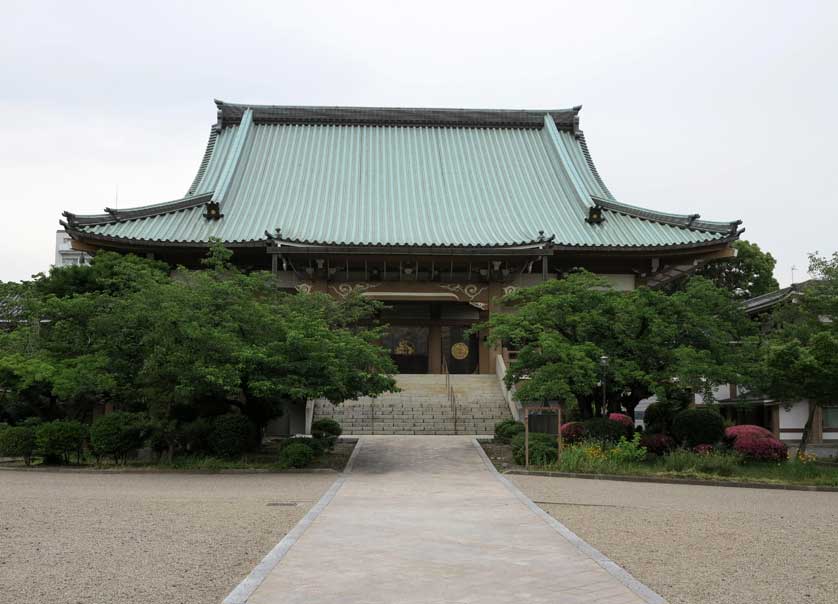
point(603, 362)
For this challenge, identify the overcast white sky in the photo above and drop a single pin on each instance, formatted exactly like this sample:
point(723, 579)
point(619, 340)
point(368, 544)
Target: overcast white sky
point(723, 108)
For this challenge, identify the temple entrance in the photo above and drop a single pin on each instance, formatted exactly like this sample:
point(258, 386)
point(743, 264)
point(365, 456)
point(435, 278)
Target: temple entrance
point(422, 334)
point(408, 348)
point(460, 350)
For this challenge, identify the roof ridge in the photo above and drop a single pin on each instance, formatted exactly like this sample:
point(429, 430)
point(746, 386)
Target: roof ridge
point(231, 114)
point(202, 169)
point(681, 220)
point(233, 158)
point(586, 152)
point(114, 215)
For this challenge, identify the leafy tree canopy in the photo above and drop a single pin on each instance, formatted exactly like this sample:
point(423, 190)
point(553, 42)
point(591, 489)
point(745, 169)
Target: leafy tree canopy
point(183, 344)
point(655, 342)
point(799, 353)
point(750, 273)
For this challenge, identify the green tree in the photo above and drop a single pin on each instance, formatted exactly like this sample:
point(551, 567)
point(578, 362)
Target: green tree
point(750, 273)
point(182, 345)
point(654, 342)
point(800, 351)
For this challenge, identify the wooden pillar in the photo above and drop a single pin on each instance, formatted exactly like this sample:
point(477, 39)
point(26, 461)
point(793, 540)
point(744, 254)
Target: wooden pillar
point(434, 349)
point(817, 425)
point(775, 420)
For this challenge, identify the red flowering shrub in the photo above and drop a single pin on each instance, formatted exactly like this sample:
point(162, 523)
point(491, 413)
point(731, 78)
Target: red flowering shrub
point(573, 432)
point(657, 444)
point(733, 433)
point(622, 418)
point(761, 448)
point(703, 449)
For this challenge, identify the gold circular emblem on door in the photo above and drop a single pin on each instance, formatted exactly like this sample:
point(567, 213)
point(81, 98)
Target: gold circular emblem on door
point(459, 351)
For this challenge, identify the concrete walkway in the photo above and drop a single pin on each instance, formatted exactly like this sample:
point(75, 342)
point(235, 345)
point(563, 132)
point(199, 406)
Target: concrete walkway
point(422, 519)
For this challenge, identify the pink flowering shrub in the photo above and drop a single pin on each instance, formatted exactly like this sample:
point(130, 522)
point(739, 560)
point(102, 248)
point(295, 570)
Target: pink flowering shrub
point(573, 432)
point(703, 449)
point(733, 433)
point(761, 448)
point(657, 444)
point(621, 418)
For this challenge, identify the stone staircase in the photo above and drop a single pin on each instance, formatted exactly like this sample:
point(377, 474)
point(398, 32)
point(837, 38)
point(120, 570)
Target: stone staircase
point(422, 407)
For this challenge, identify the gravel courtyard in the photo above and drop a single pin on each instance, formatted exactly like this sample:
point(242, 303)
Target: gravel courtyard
point(704, 545)
point(73, 538)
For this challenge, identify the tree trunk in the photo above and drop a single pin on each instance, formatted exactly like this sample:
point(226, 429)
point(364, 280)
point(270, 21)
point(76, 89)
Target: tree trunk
point(807, 429)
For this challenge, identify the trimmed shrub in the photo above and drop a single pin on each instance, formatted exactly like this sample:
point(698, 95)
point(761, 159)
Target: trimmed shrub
point(232, 434)
point(326, 427)
point(296, 455)
point(622, 418)
point(56, 440)
point(657, 444)
point(117, 435)
point(317, 446)
point(17, 441)
point(539, 444)
point(658, 418)
point(507, 429)
point(195, 436)
point(606, 430)
point(693, 427)
point(746, 431)
point(763, 448)
point(326, 430)
point(573, 432)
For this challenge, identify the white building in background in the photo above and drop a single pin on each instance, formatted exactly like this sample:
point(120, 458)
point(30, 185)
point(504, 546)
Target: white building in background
point(65, 255)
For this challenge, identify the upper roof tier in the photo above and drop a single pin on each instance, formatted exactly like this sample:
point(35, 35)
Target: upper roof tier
point(398, 177)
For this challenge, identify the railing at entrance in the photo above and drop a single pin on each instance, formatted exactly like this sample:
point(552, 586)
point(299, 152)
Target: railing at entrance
point(452, 397)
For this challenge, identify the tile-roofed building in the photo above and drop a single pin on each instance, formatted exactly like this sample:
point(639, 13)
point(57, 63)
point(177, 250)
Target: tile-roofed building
point(422, 206)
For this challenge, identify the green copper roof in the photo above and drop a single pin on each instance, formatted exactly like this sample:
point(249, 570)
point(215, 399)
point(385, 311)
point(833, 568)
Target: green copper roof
point(399, 177)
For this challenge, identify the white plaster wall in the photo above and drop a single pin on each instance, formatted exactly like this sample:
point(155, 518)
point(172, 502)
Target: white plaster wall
point(720, 393)
point(623, 283)
point(794, 417)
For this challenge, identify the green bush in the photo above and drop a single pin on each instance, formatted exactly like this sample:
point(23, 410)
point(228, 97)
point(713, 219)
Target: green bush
point(231, 435)
point(195, 435)
point(693, 427)
point(606, 430)
point(327, 431)
point(682, 460)
point(17, 441)
point(56, 440)
point(31, 422)
point(540, 445)
point(508, 428)
point(658, 417)
point(628, 451)
point(317, 446)
point(325, 427)
point(296, 455)
point(118, 435)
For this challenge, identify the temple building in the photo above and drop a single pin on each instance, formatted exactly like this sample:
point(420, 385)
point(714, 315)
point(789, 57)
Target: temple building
point(437, 212)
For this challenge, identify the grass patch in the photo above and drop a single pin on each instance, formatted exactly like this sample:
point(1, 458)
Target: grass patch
point(596, 458)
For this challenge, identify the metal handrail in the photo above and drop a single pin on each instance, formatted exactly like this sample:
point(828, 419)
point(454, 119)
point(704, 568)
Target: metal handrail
point(452, 397)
